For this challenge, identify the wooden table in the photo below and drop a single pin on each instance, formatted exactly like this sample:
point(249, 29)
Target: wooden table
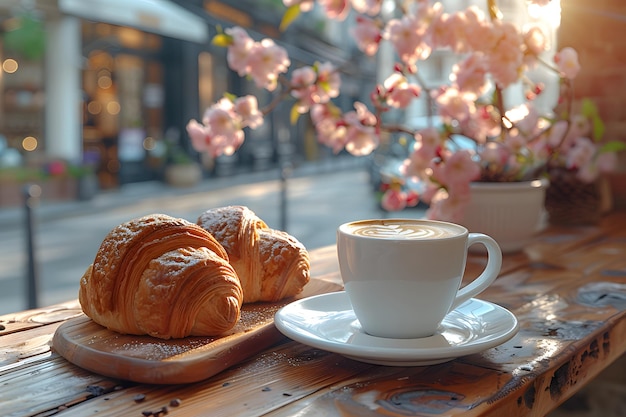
point(568, 290)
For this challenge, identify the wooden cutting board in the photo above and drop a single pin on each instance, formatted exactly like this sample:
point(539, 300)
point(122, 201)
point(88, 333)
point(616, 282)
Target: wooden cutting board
point(155, 361)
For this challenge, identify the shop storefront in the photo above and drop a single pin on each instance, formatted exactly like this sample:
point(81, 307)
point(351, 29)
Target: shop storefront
point(127, 70)
point(109, 85)
point(93, 87)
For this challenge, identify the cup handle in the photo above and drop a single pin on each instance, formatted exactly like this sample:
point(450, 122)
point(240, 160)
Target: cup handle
point(489, 274)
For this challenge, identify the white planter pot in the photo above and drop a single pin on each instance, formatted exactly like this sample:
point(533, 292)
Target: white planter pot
point(510, 212)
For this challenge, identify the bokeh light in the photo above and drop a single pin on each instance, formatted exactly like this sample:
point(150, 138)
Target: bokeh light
point(10, 65)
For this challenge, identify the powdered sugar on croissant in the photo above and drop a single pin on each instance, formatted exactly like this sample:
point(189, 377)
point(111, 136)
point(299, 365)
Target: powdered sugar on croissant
point(271, 264)
point(161, 276)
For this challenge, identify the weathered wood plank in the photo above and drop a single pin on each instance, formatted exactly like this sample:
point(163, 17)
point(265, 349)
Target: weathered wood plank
point(568, 289)
point(250, 389)
point(50, 314)
point(175, 361)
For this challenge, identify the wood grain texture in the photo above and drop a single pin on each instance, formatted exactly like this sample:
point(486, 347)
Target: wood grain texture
point(176, 361)
point(568, 290)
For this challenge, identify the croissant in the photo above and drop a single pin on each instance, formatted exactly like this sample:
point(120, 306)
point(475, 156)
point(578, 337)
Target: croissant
point(164, 277)
point(271, 264)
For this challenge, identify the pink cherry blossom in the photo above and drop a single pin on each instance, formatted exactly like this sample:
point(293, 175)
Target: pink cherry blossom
point(247, 108)
point(458, 170)
point(329, 126)
point(335, 9)
point(412, 198)
point(567, 62)
point(328, 82)
point(526, 118)
point(367, 35)
point(455, 105)
point(481, 125)
point(535, 41)
point(361, 135)
point(491, 54)
point(217, 135)
point(399, 91)
point(394, 200)
point(199, 135)
point(470, 75)
point(494, 153)
point(371, 7)
point(602, 163)
point(265, 62)
point(332, 134)
point(305, 5)
point(557, 132)
point(397, 199)
point(360, 139)
point(462, 31)
point(581, 153)
point(303, 88)
point(454, 27)
point(565, 135)
point(239, 50)
point(360, 115)
point(221, 119)
point(514, 140)
point(302, 78)
point(221, 129)
point(312, 85)
point(477, 32)
point(228, 144)
point(447, 207)
point(440, 35)
point(506, 60)
point(427, 144)
point(580, 125)
point(407, 37)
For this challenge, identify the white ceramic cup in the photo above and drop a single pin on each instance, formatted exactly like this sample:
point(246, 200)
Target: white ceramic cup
point(403, 276)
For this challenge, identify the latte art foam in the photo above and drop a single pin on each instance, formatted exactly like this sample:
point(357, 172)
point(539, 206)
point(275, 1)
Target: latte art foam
point(402, 230)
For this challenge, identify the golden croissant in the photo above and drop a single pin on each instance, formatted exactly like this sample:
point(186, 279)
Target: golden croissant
point(271, 264)
point(164, 277)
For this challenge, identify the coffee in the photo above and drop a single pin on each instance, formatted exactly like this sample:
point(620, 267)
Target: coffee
point(403, 276)
point(401, 229)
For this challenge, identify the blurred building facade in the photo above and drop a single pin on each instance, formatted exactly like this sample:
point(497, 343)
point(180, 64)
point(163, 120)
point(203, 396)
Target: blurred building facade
point(112, 83)
point(89, 82)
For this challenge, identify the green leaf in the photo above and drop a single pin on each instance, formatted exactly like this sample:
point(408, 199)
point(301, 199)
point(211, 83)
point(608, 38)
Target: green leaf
point(223, 40)
point(230, 96)
point(324, 85)
point(294, 115)
point(598, 128)
point(589, 108)
point(613, 146)
point(290, 15)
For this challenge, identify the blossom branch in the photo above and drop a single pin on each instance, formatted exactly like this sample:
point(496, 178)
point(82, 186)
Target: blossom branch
point(493, 54)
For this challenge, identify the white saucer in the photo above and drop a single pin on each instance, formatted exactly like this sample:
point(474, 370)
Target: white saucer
point(327, 322)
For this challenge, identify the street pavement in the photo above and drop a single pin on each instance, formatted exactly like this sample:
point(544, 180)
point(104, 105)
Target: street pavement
point(319, 197)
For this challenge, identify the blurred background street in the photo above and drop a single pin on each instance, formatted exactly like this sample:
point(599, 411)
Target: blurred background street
point(67, 235)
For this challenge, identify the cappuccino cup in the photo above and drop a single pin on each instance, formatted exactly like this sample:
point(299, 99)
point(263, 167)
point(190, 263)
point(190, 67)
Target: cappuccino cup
point(403, 276)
